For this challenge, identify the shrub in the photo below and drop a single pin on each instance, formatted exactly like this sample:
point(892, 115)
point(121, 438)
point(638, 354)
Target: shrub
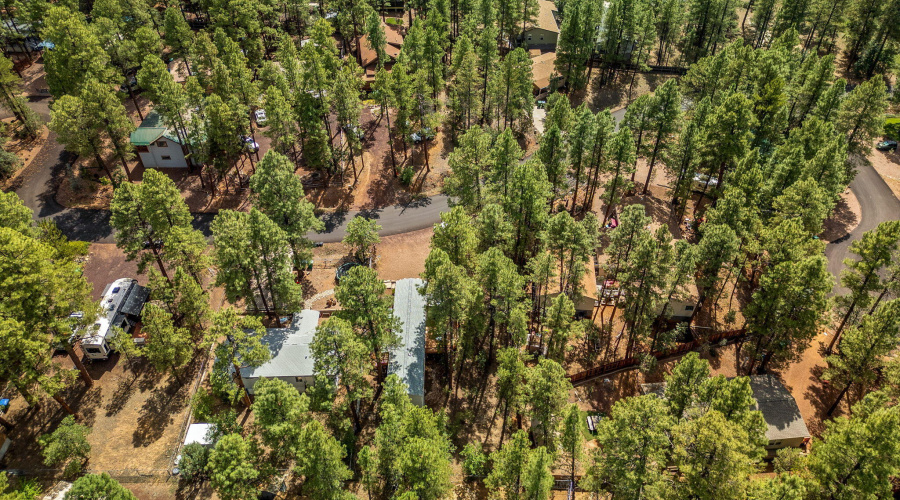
point(9, 164)
point(97, 486)
point(66, 445)
point(892, 128)
point(192, 465)
point(474, 460)
point(406, 176)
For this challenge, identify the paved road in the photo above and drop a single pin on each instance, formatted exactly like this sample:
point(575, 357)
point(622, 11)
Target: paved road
point(93, 225)
point(877, 204)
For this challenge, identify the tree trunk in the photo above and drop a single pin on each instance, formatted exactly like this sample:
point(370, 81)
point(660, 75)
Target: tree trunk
point(88, 381)
point(839, 398)
point(65, 406)
point(240, 382)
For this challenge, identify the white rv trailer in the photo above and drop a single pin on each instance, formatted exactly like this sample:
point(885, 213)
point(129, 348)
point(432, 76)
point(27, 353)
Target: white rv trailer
point(121, 305)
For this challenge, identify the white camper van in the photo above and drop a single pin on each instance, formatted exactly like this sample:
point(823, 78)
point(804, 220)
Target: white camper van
point(121, 305)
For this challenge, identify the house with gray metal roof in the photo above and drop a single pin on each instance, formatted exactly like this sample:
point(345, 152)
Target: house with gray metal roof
point(784, 424)
point(408, 360)
point(291, 360)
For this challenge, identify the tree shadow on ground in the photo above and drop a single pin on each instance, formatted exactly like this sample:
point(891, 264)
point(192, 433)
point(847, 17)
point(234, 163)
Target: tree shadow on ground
point(159, 410)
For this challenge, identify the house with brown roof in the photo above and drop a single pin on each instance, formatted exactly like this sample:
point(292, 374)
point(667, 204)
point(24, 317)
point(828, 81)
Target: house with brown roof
point(370, 57)
point(543, 33)
point(544, 75)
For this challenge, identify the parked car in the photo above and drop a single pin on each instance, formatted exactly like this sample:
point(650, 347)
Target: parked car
point(426, 134)
point(260, 115)
point(132, 84)
point(249, 144)
point(888, 145)
point(703, 182)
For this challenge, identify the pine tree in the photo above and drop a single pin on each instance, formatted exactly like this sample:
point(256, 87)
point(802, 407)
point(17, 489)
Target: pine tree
point(153, 223)
point(412, 449)
point(77, 57)
point(552, 152)
point(860, 277)
point(469, 164)
point(632, 442)
point(786, 311)
point(321, 463)
point(279, 412)
point(178, 35)
point(98, 486)
point(571, 440)
point(577, 39)
point(253, 257)
point(622, 158)
point(242, 347)
point(526, 205)
point(714, 457)
point(864, 348)
point(278, 193)
point(511, 90)
point(665, 121)
point(510, 461)
point(511, 373)
point(856, 456)
point(11, 101)
point(168, 347)
point(861, 114)
point(580, 144)
point(549, 388)
point(361, 295)
point(341, 355)
point(362, 236)
point(232, 469)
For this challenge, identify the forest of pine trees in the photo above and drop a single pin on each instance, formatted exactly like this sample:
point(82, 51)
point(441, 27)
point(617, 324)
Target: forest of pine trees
point(757, 107)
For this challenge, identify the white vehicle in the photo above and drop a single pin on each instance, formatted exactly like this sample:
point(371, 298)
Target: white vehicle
point(260, 115)
point(122, 303)
point(703, 182)
point(249, 144)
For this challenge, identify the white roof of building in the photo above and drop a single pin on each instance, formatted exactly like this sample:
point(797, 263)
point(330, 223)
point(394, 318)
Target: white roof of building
point(199, 433)
point(289, 348)
point(408, 360)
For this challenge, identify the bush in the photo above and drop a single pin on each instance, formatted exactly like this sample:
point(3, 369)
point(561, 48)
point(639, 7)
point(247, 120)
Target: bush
point(9, 164)
point(97, 486)
point(892, 128)
point(66, 445)
point(192, 465)
point(474, 460)
point(406, 176)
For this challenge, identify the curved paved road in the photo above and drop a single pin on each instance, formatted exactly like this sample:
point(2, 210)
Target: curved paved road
point(93, 225)
point(877, 204)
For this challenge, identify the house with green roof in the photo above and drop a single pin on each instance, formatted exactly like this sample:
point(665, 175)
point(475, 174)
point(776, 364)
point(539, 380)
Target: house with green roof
point(157, 145)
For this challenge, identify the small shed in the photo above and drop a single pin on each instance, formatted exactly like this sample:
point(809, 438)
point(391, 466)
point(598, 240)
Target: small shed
point(200, 433)
point(408, 360)
point(291, 360)
point(157, 145)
